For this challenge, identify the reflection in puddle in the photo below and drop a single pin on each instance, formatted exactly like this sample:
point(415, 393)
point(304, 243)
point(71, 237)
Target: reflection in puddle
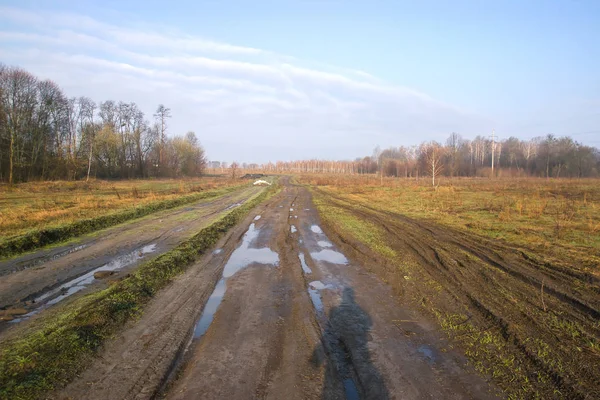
point(291, 209)
point(329, 255)
point(427, 352)
point(313, 291)
point(241, 257)
point(78, 284)
point(293, 229)
point(305, 266)
point(350, 389)
point(324, 243)
point(257, 218)
point(210, 309)
point(315, 297)
point(218, 251)
point(316, 229)
point(27, 265)
point(244, 255)
point(233, 206)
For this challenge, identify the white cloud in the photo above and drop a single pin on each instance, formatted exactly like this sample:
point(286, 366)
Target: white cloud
point(236, 98)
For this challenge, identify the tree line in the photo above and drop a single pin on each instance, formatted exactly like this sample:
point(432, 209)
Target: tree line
point(46, 135)
point(548, 156)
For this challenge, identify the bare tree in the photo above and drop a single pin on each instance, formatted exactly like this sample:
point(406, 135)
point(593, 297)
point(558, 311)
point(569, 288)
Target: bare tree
point(161, 115)
point(433, 159)
point(234, 169)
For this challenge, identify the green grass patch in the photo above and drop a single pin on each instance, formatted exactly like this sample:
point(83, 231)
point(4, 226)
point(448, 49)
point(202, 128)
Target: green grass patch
point(50, 355)
point(363, 231)
point(42, 237)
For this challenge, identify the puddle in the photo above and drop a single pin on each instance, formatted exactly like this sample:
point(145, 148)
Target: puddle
point(257, 218)
point(291, 209)
point(73, 286)
point(295, 216)
point(315, 297)
point(330, 256)
point(280, 206)
point(217, 251)
point(35, 263)
point(241, 257)
point(293, 229)
point(244, 255)
point(324, 243)
point(305, 268)
point(233, 206)
point(350, 389)
point(318, 285)
point(208, 314)
point(178, 230)
point(307, 209)
point(427, 352)
point(316, 229)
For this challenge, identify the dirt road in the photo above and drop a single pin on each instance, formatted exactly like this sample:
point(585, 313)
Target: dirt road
point(39, 280)
point(277, 311)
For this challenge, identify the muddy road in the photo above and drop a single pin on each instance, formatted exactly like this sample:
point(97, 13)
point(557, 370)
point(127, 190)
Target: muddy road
point(36, 281)
point(278, 311)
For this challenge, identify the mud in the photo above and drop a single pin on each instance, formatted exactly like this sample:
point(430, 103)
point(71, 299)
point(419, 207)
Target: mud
point(38, 280)
point(269, 328)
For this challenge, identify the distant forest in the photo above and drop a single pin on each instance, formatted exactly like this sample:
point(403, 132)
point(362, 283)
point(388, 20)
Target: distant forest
point(46, 135)
point(547, 156)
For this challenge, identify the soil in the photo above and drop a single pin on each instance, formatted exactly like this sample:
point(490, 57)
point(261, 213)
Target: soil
point(36, 280)
point(543, 308)
point(250, 321)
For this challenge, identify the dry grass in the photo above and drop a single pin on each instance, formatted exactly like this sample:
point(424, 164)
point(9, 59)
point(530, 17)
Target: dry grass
point(38, 205)
point(553, 216)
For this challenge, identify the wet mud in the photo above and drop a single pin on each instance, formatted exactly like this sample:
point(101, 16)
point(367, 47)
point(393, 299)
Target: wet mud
point(275, 314)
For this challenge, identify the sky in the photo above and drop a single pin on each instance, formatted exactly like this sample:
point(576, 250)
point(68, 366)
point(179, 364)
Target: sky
point(262, 80)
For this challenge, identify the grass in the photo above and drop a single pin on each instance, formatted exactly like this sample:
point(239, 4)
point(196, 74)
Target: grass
point(58, 347)
point(532, 345)
point(558, 216)
point(79, 219)
point(42, 205)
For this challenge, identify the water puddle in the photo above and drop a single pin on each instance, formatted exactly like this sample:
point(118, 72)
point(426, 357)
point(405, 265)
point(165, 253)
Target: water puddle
point(178, 230)
point(27, 265)
point(350, 389)
point(73, 286)
point(293, 229)
point(257, 218)
point(241, 257)
point(330, 256)
point(427, 352)
point(291, 209)
point(316, 229)
point(217, 251)
point(324, 243)
point(233, 206)
point(314, 289)
point(315, 297)
point(305, 268)
point(307, 209)
point(210, 309)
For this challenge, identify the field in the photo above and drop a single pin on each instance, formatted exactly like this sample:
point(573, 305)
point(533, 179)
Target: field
point(509, 268)
point(335, 286)
point(40, 205)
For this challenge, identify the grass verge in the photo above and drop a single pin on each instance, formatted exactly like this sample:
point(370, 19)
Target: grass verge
point(53, 353)
point(46, 236)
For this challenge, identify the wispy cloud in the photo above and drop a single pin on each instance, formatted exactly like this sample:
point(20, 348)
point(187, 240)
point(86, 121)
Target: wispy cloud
point(236, 98)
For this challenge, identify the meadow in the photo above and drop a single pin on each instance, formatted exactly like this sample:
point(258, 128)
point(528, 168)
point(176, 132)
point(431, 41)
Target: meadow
point(510, 269)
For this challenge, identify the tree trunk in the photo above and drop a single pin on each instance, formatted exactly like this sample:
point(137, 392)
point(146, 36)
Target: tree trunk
point(10, 157)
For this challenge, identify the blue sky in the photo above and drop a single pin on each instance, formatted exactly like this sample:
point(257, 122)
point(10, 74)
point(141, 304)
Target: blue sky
point(266, 80)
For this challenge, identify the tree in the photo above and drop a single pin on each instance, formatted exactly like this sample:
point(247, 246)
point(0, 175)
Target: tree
point(433, 159)
point(233, 169)
point(161, 115)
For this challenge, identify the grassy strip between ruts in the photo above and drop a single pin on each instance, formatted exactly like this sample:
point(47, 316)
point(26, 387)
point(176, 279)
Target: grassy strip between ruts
point(42, 237)
point(50, 356)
